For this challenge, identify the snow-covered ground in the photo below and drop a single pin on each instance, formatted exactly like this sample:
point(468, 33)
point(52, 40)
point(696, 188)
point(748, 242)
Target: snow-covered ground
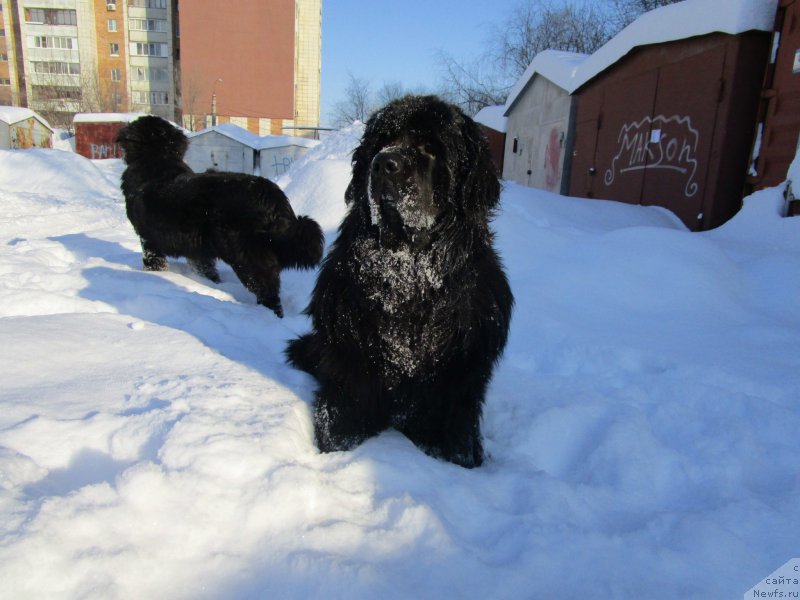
point(643, 426)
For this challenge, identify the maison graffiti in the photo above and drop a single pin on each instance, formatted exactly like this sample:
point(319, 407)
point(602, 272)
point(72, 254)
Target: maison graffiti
point(658, 142)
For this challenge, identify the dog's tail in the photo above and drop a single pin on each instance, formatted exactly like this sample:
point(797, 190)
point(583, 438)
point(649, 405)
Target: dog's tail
point(303, 244)
point(300, 352)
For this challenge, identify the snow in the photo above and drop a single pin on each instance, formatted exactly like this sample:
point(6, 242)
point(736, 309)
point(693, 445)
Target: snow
point(679, 21)
point(247, 138)
point(106, 117)
point(492, 117)
point(668, 23)
point(15, 114)
point(642, 425)
point(558, 66)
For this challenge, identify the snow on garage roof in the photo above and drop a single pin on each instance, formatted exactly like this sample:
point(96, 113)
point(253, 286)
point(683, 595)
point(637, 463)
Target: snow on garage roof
point(106, 117)
point(557, 66)
point(492, 117)
point(677, 22)
point(256, 142)
point(15, 114)
point(669, 23)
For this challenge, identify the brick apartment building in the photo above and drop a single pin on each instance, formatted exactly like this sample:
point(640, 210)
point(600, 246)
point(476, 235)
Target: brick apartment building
point(255, 63)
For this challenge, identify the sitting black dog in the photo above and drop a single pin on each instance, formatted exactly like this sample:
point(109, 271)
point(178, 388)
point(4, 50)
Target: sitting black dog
point(244, 220)
point(411, 308)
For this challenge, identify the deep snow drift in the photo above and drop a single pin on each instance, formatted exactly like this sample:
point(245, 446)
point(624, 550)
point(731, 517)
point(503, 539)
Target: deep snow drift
point(643, 426)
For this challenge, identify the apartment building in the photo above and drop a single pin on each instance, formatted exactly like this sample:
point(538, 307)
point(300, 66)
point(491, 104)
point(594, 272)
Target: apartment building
point(10, 94)
point(255, 63)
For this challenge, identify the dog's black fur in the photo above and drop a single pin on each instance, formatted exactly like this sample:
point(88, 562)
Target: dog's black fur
point(244, 220)
point(411, 307)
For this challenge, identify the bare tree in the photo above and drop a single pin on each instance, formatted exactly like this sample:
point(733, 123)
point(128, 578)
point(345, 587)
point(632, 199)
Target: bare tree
point(624, 12)
point(391, 90)
point(360, 102)
point(533, 26)
point(536, 25)
point(472, 86)
point(356, 106)
point(58, 98)
point(190, 100)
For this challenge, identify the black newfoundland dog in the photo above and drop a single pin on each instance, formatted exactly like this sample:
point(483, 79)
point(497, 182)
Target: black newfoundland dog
point(411, 308)
point(244, 220)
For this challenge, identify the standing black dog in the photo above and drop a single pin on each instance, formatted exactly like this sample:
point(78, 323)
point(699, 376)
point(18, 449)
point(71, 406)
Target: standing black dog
point(244, 220)
point(411, 308)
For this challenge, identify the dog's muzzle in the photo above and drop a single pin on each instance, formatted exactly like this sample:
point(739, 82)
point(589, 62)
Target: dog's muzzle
point(401, 198)
point(388, 185)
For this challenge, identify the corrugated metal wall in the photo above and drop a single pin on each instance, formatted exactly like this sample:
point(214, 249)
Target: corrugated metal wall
point(779, 140)
point(98, 140)
point(672, 125)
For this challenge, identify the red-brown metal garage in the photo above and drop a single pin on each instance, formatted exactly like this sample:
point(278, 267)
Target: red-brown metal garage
point(672, 125)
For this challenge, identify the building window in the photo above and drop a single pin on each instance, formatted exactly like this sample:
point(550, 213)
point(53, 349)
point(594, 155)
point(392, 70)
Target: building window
point(111, 5)
point(57, 68)
point(116, 75)
point(52, 92)
point(112, 25)
point(148, 3)
point(5, 81)
point(3, 57)
point(49, 41)
point(148, 49)
point(149, 74)
point(2, 33)
point(157, 25)
point(114, 47)
point(51, 16)
point(150, 97)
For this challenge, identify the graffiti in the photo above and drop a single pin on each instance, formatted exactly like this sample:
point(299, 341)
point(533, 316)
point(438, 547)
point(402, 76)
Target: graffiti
point(552, 160)
point(280, 165)
point(100, 151)
point(657, 143)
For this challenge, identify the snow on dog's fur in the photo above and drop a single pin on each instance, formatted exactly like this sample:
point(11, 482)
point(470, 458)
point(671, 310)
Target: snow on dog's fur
point(411, 308)
point(244, 220)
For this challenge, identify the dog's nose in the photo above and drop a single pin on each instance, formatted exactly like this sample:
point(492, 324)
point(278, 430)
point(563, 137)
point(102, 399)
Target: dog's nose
point(387, 163)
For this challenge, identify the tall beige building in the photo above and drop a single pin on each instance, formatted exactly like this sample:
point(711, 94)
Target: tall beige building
point(255, 63)
point(195, 62)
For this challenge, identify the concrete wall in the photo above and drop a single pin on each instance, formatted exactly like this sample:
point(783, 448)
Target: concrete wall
point(29, 133)
point(276, 161)
point(216, 151)
point(5, 136)
point(539, 123)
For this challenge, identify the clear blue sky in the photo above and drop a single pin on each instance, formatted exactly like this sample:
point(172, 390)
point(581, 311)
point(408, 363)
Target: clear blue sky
point(398, 40)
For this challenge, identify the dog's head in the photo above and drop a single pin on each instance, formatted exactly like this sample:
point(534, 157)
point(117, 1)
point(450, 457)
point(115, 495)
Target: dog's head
point(152, 138)
point(422, 163)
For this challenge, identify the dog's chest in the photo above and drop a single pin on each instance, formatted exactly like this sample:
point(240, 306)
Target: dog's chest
point(408, 298)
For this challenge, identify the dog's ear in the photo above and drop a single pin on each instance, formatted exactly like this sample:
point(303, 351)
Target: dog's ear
point(481, 186)
point(360, 162)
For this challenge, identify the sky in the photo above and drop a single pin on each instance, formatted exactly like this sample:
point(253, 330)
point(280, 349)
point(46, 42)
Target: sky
point(399, 41)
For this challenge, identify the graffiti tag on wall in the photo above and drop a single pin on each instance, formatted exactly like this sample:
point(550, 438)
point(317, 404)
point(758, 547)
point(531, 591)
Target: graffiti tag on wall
point(552, 160)
point(657, 143)
point(280, 165)
point(100, 151)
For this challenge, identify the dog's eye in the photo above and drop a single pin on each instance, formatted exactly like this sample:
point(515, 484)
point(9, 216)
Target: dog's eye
point(428, 149)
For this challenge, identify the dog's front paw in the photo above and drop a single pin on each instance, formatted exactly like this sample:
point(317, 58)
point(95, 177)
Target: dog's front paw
point(273, 304)
point(329, 434)
point(157, 263)
point(467, 452)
